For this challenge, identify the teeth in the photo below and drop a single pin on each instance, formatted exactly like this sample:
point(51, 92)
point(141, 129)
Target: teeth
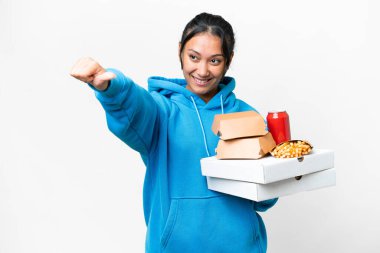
point(200, 81)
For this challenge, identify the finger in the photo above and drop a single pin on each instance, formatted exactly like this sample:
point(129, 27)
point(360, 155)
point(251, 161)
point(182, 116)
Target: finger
point(86, 69)
point(83, 78)
point(106, 76)
point(101, 80)
point(79, 66)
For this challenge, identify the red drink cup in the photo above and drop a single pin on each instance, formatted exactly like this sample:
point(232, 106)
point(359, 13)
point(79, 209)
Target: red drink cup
point(278, 125)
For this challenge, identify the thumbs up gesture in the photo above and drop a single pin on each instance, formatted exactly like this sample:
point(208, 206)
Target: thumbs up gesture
point(88, 70)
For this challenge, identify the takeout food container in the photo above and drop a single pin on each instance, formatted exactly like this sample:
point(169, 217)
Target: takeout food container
point(243, 135)
point(291, 149)
point(237, 170)
point(268, 169)
point(245, 148)
point(238, 125)
point(260, 192)
point(270, 177)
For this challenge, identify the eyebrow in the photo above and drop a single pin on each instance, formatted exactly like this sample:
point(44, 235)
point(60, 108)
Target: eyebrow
point(214, 55)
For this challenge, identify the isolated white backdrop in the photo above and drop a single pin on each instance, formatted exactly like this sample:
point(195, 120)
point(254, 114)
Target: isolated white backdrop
point(68, 185)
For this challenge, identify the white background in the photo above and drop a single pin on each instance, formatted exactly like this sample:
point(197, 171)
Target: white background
point(68, 185)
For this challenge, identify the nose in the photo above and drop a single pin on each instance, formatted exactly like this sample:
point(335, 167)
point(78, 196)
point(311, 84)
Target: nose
point(203, 70)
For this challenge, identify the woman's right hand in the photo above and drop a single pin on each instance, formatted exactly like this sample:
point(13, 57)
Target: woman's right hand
point(89, 71)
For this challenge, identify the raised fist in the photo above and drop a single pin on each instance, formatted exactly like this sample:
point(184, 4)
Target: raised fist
point(88, 70)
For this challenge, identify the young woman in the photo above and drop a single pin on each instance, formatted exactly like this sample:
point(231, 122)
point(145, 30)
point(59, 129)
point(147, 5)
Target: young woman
point(171, 128)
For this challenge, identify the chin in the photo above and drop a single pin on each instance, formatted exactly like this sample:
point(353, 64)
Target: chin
point(200, 90)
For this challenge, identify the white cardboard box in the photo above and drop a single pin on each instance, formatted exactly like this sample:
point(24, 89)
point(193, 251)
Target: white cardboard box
point(260, 192)
point(268, 169)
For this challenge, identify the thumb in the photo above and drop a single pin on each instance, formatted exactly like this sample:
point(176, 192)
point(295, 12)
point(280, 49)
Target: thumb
point(102, 79)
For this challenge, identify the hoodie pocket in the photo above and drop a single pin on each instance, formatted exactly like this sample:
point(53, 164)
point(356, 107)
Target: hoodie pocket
point(217, 224)
point(172, 216)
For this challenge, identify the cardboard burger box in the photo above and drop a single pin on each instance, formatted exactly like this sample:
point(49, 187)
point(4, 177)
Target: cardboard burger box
point(239, 124)
point(243, 135)
point(245, 148)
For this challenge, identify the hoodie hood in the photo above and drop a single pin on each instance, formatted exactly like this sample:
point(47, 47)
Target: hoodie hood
point(175, 89)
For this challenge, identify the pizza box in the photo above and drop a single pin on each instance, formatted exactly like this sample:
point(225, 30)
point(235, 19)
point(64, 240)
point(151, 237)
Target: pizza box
point(260, 192)
point(268, 169)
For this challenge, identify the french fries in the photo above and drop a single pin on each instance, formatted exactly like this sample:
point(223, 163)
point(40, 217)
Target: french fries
point(291, 149)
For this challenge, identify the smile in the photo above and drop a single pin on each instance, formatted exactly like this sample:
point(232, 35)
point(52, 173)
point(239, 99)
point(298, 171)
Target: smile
point(201, 82)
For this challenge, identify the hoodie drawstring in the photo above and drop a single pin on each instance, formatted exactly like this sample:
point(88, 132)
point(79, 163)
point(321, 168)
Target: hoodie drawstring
point(200, 122)
point(221, 103)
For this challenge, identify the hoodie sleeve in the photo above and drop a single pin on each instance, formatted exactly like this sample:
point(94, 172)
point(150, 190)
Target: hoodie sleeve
point(262, 206)
point(131, 112)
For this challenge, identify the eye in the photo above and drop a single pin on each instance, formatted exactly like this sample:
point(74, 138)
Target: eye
point(193, 57)
point(215, 61)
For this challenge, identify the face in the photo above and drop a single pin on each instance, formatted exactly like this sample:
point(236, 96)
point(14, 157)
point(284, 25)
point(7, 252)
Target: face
point(203, 65)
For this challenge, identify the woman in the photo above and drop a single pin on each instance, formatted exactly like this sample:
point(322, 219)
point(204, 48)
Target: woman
point(171, 128)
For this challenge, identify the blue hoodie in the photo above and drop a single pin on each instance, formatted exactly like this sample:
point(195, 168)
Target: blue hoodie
point(171, 128)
